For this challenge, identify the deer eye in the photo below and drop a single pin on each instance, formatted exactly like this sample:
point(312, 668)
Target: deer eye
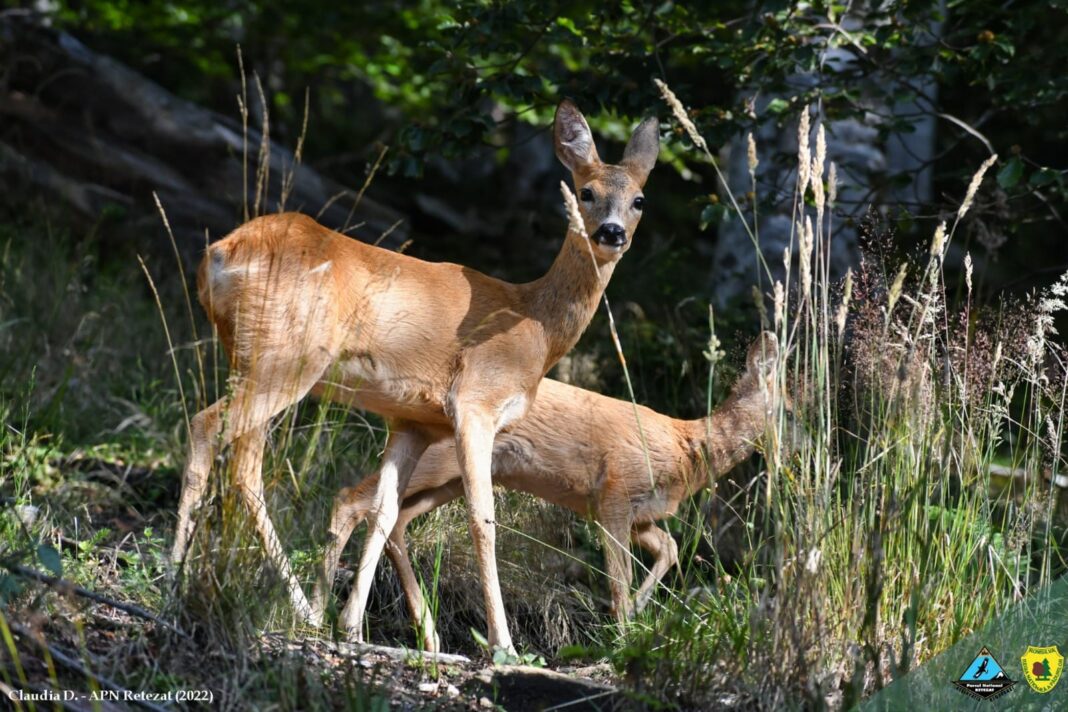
point(586, 195)
point(639, 203)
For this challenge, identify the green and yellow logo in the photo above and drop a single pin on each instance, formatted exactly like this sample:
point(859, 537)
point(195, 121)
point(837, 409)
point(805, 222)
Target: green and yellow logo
point(1042, 667)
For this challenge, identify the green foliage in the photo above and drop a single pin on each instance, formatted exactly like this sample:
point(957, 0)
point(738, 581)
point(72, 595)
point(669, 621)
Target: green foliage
point(500, 656)
point(448, 65)
point(438, 80)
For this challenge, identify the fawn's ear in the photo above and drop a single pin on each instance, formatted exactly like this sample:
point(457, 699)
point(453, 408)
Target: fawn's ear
point(763, 353)
point(571, 134)
point(644, 146)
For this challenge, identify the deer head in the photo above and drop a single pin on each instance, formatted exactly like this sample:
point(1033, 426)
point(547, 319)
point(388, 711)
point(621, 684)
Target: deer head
point(610, 196)
point(760, 381)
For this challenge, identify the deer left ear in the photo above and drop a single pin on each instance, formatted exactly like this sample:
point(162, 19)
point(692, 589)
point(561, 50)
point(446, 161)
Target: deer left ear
point(642, 149)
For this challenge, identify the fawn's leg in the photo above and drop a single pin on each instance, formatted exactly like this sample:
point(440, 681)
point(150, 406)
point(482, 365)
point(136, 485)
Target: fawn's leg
point(665, 553)
point(397, 550)
point(350, 508)
point(406, 444)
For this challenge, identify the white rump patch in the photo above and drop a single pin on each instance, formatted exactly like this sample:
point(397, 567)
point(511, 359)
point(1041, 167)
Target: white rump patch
point(248, 269)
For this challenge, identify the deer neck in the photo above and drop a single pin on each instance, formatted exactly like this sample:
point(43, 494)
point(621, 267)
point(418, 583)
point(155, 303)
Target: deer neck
point(722, 440)
point(565, 299)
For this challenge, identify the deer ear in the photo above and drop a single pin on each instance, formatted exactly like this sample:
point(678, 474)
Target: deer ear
point(763, 353)
point(571, 134)
point(642, 149)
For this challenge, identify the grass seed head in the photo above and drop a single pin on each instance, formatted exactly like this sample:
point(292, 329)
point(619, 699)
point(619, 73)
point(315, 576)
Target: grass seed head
point(973, 187)
point(751, 156)
point(804, 156)
point(680, 114)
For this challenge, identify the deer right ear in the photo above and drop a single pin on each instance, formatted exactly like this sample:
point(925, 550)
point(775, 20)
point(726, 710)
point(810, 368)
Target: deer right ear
point(571, 134)
point(763, 353)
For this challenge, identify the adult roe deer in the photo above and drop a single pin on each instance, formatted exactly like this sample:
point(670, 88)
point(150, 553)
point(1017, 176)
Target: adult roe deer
point(583, 451)
point(434, 348)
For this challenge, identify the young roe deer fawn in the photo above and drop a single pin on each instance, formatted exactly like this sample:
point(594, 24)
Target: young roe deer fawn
point(436, 349)
point(584, 451)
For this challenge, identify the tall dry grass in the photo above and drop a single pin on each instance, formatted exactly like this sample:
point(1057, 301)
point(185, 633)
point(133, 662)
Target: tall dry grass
point(909, 496)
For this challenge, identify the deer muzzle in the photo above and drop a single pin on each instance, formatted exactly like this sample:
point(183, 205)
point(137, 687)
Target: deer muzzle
point(610, 235)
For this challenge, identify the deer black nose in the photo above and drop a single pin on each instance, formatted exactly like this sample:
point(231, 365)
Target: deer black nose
point(610, 235)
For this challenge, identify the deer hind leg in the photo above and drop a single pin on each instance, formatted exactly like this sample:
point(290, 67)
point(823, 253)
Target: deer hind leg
point(204, 431)
point(475, 431)
point(243, 417)
point(248, 468)
point(665, 553)
point(397, 550)
point(209, 431)
point(406, 444)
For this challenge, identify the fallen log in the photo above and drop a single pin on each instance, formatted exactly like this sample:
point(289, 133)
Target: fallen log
point(99, 139)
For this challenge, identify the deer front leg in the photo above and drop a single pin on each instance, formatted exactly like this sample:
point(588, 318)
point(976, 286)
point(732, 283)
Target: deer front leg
point(615, 518)
point(475, 430)
point(665, 553)
point(422, 618)
point(406, 444)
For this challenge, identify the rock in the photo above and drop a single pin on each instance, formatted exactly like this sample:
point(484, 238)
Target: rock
point(522, 688)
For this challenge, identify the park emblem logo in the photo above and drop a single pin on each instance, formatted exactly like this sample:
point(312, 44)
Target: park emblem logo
point(984, 679)
point(1042, 667)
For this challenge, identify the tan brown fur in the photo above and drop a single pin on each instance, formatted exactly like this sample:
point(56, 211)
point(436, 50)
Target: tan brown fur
point(584, 451)
point(434, 348)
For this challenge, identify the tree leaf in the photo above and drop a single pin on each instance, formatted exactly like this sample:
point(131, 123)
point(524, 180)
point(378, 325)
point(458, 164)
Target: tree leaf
point(712, 214)
point(778, 106)
point(10, 586)
point(1041, 177)
point(1010, 173)
point(50, 559)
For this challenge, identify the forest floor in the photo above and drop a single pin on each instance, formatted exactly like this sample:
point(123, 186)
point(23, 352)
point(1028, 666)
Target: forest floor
point(70, 664)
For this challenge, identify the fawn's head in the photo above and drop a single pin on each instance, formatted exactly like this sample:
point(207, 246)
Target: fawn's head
point(610, 196)
point(759, 385)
